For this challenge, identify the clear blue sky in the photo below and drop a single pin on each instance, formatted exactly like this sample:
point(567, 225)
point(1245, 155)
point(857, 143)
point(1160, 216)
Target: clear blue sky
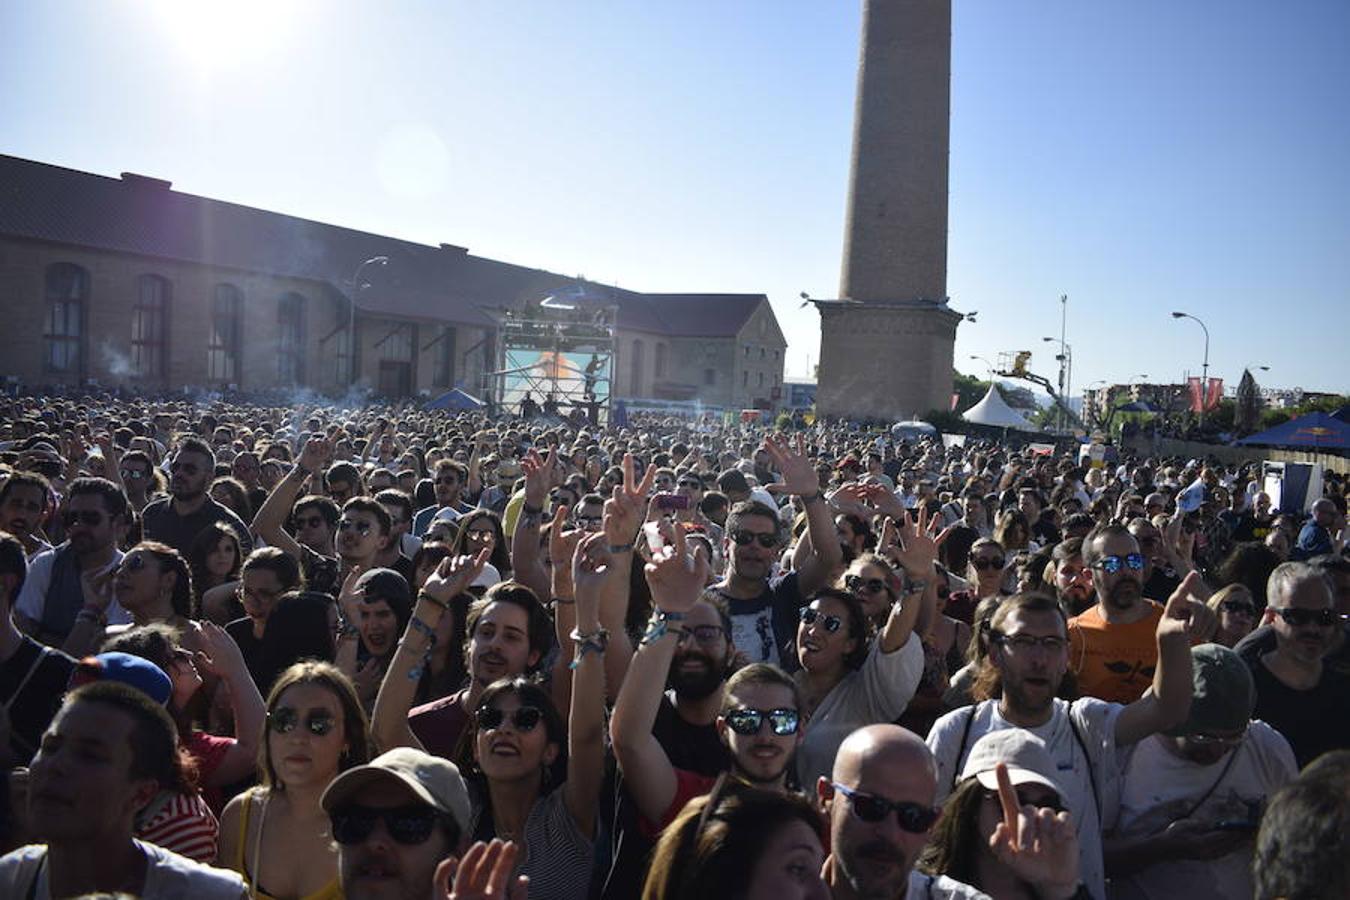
point(1140, 157)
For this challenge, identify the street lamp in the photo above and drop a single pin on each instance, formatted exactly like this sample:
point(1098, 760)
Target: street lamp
point(1204, 367)
point(357, 286)
point(987, 364)
point(1065, 359)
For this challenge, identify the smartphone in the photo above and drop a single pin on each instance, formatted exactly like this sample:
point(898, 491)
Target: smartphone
point(671, 501)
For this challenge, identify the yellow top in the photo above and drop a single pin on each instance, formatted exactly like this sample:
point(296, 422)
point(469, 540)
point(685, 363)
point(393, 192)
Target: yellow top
point(330, 891)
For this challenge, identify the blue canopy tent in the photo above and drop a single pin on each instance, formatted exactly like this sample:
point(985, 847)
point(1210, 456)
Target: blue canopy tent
point(455, 400)
point(1317, 430)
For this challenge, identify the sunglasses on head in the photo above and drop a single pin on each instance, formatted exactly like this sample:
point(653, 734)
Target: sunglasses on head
point(809, 615)
point(858, 584)
point(912, 817)
point(284, 720)
point(1323, 618)
point(1237, 606)
point(408, 825)
point(1113, 564)
point(985, 563)
point(525, 718)
point(90, 517)
point(767, 540)
point(747, 721)
point(362, 528)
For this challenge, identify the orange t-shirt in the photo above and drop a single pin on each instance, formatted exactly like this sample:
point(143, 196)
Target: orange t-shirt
point(1114, 662)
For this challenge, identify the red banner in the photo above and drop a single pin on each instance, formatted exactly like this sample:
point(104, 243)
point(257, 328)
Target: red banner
point(1196, 391)
point(1214, 395)
point(956, 398)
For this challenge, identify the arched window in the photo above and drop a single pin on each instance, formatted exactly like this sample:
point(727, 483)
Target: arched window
point(661, 354)
point(63, 336)
point(149, 334)
point(635, 372)
point(222, 353)
point(291, 339)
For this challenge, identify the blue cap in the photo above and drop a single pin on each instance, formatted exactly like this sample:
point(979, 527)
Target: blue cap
point(134, 671)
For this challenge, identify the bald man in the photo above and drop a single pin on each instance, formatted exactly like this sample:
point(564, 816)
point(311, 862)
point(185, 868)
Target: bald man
point(883, 776)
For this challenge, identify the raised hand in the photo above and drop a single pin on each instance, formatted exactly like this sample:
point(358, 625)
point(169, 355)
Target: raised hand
point(1181, 616)
point(592, 565)
point(219, 653)
point(454, 575)
point(627, 505)
point(562, 544)
point(485, 873)
point(918, 549)
point(1039, 845)
point(792, 463)
point(350, 596)
point(315, 454)
point(540, 477)
point(675, 577)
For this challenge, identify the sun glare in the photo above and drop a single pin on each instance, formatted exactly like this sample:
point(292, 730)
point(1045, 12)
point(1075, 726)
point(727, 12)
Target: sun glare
point(214, 33)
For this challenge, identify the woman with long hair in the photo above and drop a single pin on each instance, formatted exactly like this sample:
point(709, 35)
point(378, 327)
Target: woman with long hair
point(1013, 531)
point(741, 843)
point(266, 575)
point(231, 493)
point(277, 835)
point(987, 569)
point(220, 761)
point(483, 528)
point(1235, 609)
point(153, 584)
point(213, 559)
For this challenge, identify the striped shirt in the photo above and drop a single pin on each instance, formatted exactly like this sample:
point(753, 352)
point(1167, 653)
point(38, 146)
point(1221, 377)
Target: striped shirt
point(182, 823)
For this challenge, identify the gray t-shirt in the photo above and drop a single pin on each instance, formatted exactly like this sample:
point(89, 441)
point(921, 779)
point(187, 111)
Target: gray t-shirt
point(168, 876)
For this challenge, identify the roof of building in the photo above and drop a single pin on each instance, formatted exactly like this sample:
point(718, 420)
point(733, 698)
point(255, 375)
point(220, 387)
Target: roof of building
point(144, 216)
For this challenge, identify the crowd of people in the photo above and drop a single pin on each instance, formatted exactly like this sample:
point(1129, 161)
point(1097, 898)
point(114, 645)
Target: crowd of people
point(323, 652)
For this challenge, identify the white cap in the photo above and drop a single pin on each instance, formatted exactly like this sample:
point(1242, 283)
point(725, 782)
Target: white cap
point(1024, 754)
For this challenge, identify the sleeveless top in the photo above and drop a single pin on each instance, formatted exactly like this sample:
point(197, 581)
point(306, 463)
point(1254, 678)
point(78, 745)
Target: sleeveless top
point(330, 891)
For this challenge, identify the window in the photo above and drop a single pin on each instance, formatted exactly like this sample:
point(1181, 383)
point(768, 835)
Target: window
point(222, 353)
point(148, 332)
point(291, 339)
point(747, 351)
point(761, 379)
point(710, 376)
point(635, 371)
point(775, 355)
point(67, 291)
point(661, 352)
point(445, 358)
point(761, 352)
point(745, 378)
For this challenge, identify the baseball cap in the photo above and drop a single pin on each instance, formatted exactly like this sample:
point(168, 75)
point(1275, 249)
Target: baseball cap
point(1223, 692)
point(127, 669)
point(384, 584)
point(433, 780)
point(1024, 754)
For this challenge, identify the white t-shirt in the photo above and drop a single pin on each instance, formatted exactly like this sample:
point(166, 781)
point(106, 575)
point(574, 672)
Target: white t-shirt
point(1158, 787)
point(33, 595)
point(1095, 723)
point(940, 887)
point(168, 876)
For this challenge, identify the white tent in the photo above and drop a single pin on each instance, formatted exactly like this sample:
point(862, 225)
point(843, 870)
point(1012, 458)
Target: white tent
point(993, 410)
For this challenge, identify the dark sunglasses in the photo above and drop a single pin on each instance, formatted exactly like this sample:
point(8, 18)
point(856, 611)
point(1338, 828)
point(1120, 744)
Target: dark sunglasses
point(912, 817)
point(984, 564)
point(1323, 618)
point(408, 825)
point(858, 584)
point(362, 528)
point(90, 517)
point(1113, 564)
point(526, 718)
point(1022, 800)
point(686, 483)
point(747, 721)
point(767, 540)
point(1237, 606)
point(809, 615)
point(284, 720)
point(134, 475)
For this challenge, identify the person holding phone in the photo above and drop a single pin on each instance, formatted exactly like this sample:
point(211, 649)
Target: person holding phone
point(1191, 799)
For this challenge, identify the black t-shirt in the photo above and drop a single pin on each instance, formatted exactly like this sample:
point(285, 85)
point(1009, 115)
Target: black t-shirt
point(1263, 641)
point(252, 649)
point(30, 691)
point(762, 626)
point(161, 523)
point(1313, 721)
point(693, 747)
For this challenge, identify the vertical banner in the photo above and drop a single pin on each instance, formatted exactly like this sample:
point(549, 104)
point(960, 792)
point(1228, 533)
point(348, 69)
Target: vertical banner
point(1196, 391)
point(1214, 394)
point(956, 398)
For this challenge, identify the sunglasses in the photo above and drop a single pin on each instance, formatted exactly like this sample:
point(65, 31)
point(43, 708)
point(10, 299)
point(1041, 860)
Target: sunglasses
point(1023, 800)
point(90, 517)
point(858, 584)
point(747, 721)
point(696, 485)
point(1113, 564)
point(524, 719)
point(912, 817)
point(1237, 606)
point(767, 539)
point(362, 528)
point(809, 615)
point(985, 563)
point(703, 634)
point(134, 475)
point(409, 825)
point(284, 720)
point(1323, 618)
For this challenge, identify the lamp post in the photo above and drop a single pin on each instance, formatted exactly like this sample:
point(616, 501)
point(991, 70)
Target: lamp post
point(357, 285)
point(988, 365)
point(1065, 359)
point(1204, 367)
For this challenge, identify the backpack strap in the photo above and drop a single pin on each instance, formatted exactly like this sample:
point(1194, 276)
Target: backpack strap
point(961, 748)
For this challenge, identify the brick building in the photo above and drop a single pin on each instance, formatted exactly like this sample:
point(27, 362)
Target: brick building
point(124, 281)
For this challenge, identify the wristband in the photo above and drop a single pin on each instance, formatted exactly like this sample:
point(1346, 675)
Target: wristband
point(563, 601)
point(424, 595)
point(595, 642)
point(417, 624)
point(527, 510)
point(658, 628)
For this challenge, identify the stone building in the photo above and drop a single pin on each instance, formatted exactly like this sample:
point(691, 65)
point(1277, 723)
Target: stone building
point(126, 282)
